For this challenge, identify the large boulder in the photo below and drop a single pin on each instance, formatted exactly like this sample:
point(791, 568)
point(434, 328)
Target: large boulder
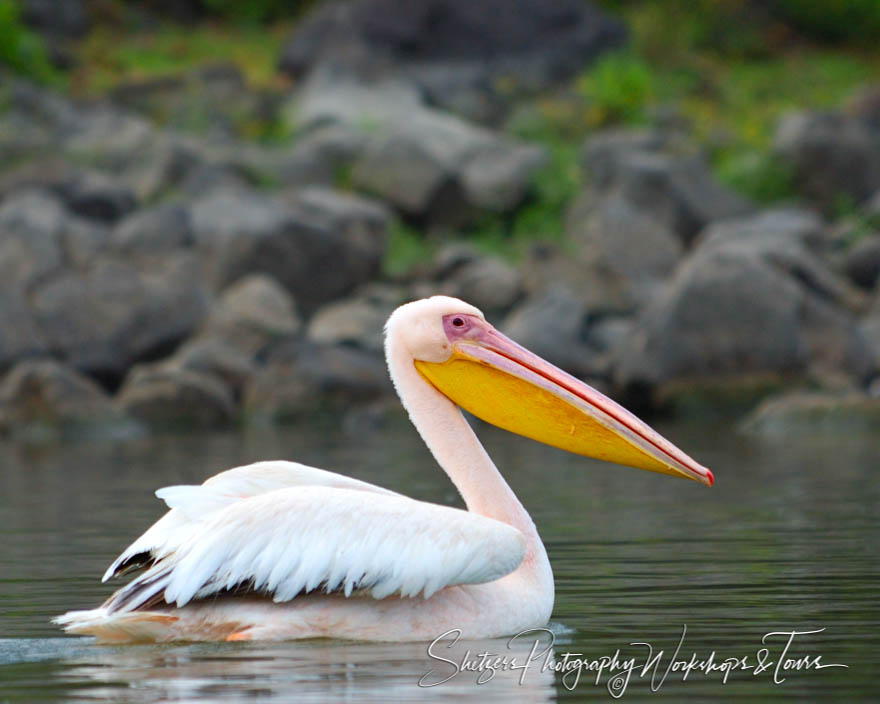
point(320, 246)
point(624, 253)
point(115, 313)
point(428, 164)
point(553, 324)
point(746, 278)
point(803, 412)
point(832, 155)
point(301, 378)
point(663, 177)
point(43, 395)
point(453, 49)
point(156, 230)
point(170, 396)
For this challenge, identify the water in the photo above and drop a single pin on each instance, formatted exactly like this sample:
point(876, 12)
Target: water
point(786, 540)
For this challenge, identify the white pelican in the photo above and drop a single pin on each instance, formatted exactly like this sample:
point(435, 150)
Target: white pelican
point(278, 550)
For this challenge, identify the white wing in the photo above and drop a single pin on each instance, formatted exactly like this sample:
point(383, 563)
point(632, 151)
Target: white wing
point(292, 541)
point(189, 504)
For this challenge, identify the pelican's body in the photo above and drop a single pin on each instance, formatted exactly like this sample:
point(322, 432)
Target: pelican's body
point(277, 550)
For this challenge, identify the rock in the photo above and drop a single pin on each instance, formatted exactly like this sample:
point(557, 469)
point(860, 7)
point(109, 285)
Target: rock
point(252, 313)
point(490, 284)
point(156, 230)
point(662, 178)
point(831, 154)
point(862, 262)
point(97, 196)
point(817, 412)
point(355, 321)
point(553, 325)
point(31, 223)
point(83, 240)
point(541, 42)
point(320, 246)
point(56, 18)
point(106, 318)
point(713, 319)
point(169, 396)
point(426, 163)
point(746, 277)
point(216, 357)
point(626, 254)
point(44, 394)
point(302, 378)
point(324, 156)
point(19, 336)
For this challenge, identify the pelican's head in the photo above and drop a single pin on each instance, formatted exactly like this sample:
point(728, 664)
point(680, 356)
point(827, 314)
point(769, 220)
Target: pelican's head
point(494, 378)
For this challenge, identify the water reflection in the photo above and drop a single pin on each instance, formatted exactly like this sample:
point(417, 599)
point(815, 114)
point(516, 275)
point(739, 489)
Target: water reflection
point(786, 538)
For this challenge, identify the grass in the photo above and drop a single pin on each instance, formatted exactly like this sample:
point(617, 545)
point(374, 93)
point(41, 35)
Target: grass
point(104, 61)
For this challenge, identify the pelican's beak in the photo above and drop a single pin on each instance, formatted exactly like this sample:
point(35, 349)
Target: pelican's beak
point(491, 376)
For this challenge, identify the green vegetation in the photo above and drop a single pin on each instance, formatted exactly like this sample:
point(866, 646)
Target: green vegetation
point(22, 49)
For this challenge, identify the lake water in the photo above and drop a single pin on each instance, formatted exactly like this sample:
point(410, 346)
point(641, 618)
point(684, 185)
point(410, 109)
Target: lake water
point(786, 540)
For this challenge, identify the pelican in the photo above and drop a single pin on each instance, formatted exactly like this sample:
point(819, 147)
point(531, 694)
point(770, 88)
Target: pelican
point(277, 550)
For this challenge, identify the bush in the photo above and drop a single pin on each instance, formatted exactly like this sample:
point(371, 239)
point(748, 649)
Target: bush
point(21, 49)
point(618, 88)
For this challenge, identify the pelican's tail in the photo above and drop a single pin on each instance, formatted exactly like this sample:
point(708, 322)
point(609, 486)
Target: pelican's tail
point(119, 626)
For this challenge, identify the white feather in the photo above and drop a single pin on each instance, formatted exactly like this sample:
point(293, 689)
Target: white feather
point(293, 540)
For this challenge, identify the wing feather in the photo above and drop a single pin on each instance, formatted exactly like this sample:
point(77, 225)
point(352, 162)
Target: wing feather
point(295, 540)
point(190, 504)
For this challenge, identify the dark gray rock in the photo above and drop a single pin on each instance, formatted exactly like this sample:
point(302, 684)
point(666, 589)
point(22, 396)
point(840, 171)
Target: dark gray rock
point(626, 254)
point(300, 379)
point(156, 230)
point(324, 156)
point(320, 246)
point(533, 44)
point(553, 324)
point(56, 18)
point(251, 314)
point(862, 262)
point(169, 396)
point(43, 394)
point(97, 196)
point(217, 357)
point(353, 321)
point(31, 223)
point(426, 163)
point(489, 283)
point(748, 277)
point(832, 155)
point(663, 179)
point(814, 412)
point(106, 318)
point(19, 336)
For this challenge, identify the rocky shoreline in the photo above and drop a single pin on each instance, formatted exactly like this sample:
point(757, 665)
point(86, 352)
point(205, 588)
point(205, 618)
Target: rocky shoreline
point(154, 278)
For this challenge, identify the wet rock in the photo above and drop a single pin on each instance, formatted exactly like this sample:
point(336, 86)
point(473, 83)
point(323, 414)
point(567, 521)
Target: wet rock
point(303, 378)
point(252, 313)
point(170, 396)
point(106, 318)
point(553, 325)
point(42, 394)
point(816, 412)
point(662, 178)
point(832, 155)
point(862, 262)
point(156, 230)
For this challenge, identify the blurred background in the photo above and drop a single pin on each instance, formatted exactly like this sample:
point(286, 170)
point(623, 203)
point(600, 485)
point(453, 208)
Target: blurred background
point(208, 208)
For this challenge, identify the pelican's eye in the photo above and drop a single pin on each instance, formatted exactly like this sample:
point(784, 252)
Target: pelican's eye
point(458, 322)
